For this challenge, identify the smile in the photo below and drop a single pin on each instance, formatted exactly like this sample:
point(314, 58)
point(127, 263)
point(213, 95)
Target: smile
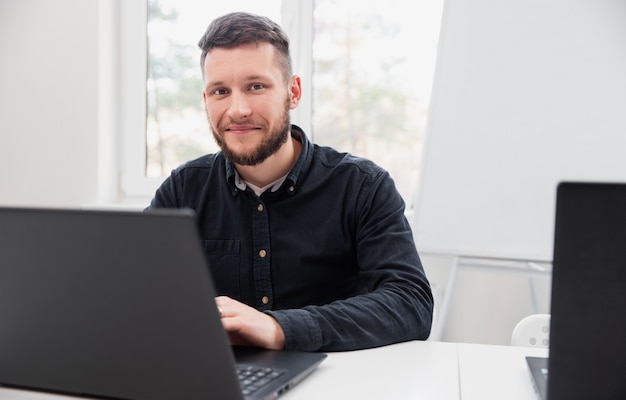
point(241, 129)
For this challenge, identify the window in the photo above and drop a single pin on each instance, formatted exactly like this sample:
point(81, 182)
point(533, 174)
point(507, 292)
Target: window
point(366, 75)
point(373, 64)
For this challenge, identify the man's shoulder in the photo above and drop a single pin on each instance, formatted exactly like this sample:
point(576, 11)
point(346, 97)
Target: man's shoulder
point(332, 158)
point(205, 162)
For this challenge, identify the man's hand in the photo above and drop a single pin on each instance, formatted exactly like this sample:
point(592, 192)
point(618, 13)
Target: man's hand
point(246, 326)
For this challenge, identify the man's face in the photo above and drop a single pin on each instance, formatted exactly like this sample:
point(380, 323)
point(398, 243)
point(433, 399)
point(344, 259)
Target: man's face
point(247, 101)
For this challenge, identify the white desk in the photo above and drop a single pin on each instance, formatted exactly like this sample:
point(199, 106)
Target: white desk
point(489, 372)
point(413, 370)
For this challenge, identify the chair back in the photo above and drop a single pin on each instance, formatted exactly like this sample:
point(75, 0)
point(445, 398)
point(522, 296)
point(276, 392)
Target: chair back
point(532, 331)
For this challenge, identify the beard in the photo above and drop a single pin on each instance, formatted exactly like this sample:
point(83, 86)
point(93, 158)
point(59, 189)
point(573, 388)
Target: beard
point(269, 146)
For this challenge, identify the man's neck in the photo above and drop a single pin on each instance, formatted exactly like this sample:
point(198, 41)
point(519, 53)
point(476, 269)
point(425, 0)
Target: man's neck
point(274, 167)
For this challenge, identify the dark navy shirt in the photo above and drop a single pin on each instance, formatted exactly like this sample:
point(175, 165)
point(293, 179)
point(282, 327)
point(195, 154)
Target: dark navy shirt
point(330, 254)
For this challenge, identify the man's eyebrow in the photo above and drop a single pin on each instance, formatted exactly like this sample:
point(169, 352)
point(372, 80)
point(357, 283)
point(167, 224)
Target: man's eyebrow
point(248, 78)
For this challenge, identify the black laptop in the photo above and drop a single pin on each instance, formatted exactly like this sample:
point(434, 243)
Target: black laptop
point(587, 358)
point(120, 305)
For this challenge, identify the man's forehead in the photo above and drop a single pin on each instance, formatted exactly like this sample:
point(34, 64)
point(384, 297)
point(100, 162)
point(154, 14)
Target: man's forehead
point(250, 60)
point(248, 49)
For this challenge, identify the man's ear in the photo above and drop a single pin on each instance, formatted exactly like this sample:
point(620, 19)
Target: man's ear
point(295, 91)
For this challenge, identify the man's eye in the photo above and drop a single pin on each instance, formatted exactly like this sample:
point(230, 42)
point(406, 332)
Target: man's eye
point(220, 92)
point(257, 86)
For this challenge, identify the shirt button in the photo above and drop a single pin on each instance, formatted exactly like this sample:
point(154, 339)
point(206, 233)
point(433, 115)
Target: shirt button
point(291, 189)
point(265, 299)
point(262, 253)
point(259, 208)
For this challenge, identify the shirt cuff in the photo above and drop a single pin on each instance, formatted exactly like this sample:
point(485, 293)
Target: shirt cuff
point(302, 332)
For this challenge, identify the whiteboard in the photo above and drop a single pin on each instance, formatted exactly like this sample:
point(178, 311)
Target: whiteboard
point(526, 93)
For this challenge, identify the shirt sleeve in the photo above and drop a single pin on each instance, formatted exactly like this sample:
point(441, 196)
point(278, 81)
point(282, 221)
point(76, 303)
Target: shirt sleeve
point(398, 305)
point(166, 195)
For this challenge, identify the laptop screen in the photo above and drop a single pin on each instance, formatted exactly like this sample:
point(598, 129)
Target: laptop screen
point(109, 304)
point(588, 305)
point(119, 304)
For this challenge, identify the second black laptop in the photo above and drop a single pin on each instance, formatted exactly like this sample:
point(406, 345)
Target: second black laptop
point(588, 306)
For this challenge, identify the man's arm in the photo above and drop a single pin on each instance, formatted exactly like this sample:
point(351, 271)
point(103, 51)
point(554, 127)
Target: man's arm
point(399, 304)
point(246, 326)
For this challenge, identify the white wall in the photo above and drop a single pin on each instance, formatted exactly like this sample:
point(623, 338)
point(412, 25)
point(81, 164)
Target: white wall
point(48, 102)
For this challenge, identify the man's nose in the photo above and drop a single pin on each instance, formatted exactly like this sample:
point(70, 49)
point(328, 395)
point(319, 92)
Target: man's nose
point(239, 105)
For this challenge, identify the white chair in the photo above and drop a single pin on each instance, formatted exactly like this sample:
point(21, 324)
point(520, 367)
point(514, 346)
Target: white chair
point(532, 331)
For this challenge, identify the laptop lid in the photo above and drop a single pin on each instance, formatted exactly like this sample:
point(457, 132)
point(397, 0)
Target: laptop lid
point(588, 301)
point(114, 304)
point(538, 367)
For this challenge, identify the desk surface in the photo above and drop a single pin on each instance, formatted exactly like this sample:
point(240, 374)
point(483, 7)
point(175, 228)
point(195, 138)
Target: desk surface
point(488, 372)
point(412, 370)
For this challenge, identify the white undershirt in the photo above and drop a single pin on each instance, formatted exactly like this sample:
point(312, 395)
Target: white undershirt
point(241, 184)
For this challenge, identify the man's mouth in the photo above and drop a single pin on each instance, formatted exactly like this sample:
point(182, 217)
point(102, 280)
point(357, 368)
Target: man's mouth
point(241, 129)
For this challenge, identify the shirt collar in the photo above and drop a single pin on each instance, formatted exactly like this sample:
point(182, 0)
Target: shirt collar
point(241, 184)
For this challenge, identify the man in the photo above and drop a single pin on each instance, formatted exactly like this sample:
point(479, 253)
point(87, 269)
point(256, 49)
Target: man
point(309, 248)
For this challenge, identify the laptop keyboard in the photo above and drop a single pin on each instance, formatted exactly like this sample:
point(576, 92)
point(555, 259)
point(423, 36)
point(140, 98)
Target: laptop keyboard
point(252, 378)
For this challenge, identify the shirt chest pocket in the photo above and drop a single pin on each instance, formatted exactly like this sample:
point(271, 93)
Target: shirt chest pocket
point(223, 260)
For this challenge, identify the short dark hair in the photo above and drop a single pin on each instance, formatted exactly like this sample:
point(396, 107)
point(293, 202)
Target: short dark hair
point(240, 28)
